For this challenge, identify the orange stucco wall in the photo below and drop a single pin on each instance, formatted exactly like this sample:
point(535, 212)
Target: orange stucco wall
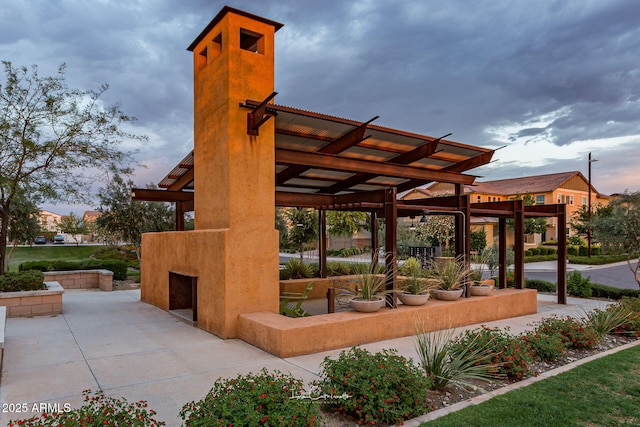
point(233, 250)
point(287, 337)
point(224, 288)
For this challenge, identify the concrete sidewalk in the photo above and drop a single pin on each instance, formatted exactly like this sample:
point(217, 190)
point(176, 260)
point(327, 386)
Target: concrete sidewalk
point(114, 342)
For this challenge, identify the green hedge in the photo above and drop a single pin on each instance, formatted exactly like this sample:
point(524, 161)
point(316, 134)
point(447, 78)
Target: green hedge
point(604, 291)
point(540, 285)
point(598, 260)
point(119, 268)
point(22, 281)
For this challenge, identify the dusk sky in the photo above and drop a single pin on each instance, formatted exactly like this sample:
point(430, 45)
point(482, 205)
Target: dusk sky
point(551, 80)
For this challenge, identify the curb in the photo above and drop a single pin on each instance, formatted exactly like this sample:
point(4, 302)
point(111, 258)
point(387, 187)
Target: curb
point(414, 422)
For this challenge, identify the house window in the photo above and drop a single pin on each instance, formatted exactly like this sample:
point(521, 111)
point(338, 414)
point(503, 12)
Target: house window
point(584, 201)
point(570, 200)
point(562, 198)
point(479, 199)
point(540, 199)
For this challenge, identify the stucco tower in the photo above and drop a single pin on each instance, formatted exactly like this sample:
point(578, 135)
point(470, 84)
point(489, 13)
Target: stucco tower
point(232, 254)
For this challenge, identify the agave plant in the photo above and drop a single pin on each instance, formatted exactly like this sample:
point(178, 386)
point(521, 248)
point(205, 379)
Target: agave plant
point(450, 273)
point(413, 281)
point(370, 283)
point(445, 364)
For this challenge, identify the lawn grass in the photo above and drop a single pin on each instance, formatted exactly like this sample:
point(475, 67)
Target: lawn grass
point(604, 392)
point(50, 253)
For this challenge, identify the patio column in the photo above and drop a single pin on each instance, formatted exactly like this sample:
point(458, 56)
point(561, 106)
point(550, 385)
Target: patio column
point(502, 253)
point(375, 242)
point(562, 253)
point(518, 245)
point(322, 242)
point(391, 240)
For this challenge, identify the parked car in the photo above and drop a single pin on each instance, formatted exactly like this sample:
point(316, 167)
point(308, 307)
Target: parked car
point(58, 239)
point(40, 240)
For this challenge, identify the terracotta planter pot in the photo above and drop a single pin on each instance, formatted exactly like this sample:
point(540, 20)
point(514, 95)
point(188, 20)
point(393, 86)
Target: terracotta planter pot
point(443, 295)
point(367, 306)
point(480, 290)
point(413, 299)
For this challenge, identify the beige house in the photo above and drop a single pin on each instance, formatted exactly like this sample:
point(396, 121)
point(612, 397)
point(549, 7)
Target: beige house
point(570, 188)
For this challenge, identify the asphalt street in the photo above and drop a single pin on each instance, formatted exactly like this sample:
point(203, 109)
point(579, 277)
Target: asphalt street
point(618, 275)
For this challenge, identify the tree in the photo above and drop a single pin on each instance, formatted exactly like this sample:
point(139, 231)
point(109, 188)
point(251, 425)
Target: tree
point(303, 228)
point(438, 227)
point(54, 140)
point(281, 226)
point(618, 226)
point(72, 225)
point(124, 220)
point(346, 223)
point(23, 223)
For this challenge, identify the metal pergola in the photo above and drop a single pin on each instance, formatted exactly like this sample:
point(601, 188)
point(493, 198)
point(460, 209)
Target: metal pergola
point(331, 163)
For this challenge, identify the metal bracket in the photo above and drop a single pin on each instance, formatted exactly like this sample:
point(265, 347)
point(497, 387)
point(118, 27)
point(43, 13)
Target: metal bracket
point(258, 116)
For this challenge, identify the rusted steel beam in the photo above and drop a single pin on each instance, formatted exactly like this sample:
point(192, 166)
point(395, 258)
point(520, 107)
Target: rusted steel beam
point(344, 142)
point(288, 199)
point(424, 150)
point(332, 162)
point(259, 116)
point(181, 183)
point(151, 195)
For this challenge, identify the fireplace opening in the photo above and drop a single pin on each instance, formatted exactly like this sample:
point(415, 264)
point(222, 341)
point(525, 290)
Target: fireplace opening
point(183, 296)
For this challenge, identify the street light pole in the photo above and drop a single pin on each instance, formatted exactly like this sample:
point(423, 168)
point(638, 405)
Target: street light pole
point(589, 210)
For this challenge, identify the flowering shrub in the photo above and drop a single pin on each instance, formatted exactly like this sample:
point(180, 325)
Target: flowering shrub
point(98, 410)
point(374, 388)
point(574, 333)
point(510, 355)
point(269, 399)
point(544, 347)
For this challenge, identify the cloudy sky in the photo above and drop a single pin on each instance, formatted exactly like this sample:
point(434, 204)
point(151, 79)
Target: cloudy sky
point(550, 80)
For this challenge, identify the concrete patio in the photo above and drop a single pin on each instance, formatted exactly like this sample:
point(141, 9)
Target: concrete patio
point(114, 342)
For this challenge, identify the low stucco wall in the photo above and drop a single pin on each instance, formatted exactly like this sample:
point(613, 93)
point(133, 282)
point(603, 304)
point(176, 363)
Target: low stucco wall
point(320, 285)
point(286, 337)
point(82, 279)
point(33, 303)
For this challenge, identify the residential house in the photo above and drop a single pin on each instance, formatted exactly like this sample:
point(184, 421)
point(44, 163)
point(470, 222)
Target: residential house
point(570, 188)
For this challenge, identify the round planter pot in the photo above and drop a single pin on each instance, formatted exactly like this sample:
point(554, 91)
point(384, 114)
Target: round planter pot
point(413, 299)
point(443, 295)
point(367, 306)
point(480, 290)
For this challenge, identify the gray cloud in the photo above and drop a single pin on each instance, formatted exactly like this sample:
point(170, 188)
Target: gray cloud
point(423, 65)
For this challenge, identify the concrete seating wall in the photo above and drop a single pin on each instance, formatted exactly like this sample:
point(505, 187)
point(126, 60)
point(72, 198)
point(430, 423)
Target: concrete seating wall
point(33, 303)
point(82, 279)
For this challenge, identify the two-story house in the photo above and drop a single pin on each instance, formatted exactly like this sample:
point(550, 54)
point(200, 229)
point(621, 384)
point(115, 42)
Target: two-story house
point(570, 188)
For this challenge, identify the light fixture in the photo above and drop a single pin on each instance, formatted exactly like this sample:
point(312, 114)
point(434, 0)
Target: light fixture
point(424, 218)
point(412, 227)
